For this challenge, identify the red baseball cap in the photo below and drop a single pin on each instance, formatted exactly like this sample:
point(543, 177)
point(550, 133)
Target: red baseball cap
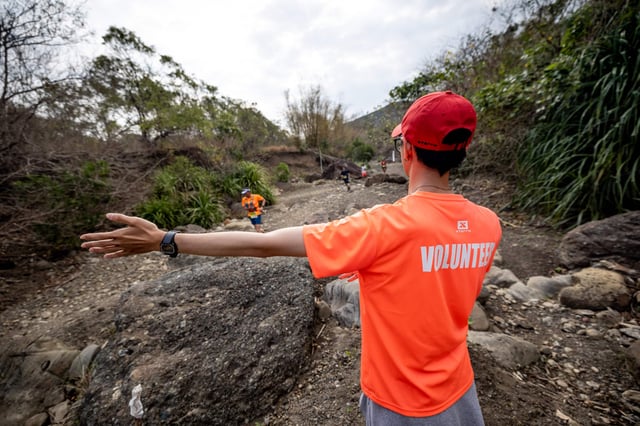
point(433, 117)
point(397, 131)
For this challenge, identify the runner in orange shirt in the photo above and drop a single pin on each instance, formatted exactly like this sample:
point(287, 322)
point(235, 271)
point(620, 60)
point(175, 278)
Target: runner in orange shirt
point(253, 204)
point(420, 262)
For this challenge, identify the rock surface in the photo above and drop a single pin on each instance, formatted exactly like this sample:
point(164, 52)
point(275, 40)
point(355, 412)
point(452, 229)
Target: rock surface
point(615, 238)
point(212, 343)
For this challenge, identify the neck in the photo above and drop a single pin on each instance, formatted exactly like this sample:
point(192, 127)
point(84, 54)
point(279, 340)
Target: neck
point(431, 188)
point(421, 177)
point(429, 181)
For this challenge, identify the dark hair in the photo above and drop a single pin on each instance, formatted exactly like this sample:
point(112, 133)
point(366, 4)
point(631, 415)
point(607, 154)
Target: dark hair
point(444, 161)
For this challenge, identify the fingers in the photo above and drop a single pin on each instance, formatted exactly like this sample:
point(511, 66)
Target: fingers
point(114, 217)
point(124, 219)
point(109, 249)
point(96, 236)
point(135, 237)
point(129, 221)
point(105, 248)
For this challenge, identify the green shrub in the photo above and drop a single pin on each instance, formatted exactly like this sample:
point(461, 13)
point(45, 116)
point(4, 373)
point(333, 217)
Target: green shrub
point(164, 212)
point(181, 177)
point(187, 194)
point(282, 172)
point(68, 203)
point(182, 194)
point(204, 209)
point(255, 177)
point(361, 152)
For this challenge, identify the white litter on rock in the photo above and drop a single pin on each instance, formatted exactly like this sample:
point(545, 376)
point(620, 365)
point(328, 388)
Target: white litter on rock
point(135, 404)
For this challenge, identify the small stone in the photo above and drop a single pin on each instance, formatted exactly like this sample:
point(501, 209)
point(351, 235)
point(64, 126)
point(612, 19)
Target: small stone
point(632, 396)
point(593, 333)
point(593, 385)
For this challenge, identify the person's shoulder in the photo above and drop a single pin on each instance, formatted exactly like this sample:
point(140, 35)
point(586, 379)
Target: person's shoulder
point(485, 212)
point(385, 209)
point(482, 208)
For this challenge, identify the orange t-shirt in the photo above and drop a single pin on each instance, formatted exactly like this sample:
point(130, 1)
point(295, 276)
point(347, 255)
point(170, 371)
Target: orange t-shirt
point(252, 204)
point(421, 262)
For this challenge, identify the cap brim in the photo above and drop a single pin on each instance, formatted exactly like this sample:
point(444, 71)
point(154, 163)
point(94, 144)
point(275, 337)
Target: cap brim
point(397, 131)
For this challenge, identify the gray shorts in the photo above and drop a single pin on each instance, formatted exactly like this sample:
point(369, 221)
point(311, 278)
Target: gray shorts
point(465, 412)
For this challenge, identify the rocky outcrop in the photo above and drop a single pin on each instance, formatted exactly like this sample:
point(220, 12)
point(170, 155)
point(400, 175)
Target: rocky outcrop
point(41, 379)
point(343, 297)
point(213, 343)
point(384, 177)
point(615, 238)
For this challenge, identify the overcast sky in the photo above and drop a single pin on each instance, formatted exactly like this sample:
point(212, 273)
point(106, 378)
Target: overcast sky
point(254, 50)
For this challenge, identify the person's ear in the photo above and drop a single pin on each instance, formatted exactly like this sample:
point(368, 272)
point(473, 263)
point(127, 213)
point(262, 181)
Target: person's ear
point(407, 150)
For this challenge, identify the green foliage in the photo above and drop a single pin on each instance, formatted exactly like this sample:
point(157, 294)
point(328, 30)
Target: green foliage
point(187, 194)
point(360, 152)
point(245, 174)
point(164, 212)
point(204, 210)
point(581, 160)
point(253, 129)
point(158, 100)
point(282, 172)
point(432, 79)
point(68, 202)
point(182, 194)
point(180, 177)
point(253, 176)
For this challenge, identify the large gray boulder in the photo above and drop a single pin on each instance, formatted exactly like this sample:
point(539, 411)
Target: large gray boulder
point(615, 238)
point(508, 351)
point(343, 296)
point(212, 343)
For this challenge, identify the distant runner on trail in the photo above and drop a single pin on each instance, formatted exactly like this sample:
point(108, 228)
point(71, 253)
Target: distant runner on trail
point(420, 264)
point(253, 204)
point(383, 165)
point(344, 175)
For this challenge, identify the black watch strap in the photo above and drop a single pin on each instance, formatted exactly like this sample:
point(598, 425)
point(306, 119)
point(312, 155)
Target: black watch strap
point(168, 245)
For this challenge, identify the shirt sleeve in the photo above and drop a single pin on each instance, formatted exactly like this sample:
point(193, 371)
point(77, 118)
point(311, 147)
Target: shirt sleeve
point(344, 245)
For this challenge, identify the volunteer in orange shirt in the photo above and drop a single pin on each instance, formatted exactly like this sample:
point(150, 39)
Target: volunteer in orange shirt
point(420, 262)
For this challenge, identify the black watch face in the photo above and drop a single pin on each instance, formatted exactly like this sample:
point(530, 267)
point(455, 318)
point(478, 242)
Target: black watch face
point(167, 249)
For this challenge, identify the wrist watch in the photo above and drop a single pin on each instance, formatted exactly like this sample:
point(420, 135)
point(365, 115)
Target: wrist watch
point(168, 245)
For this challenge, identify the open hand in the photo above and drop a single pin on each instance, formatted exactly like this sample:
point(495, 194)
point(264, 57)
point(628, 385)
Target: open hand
point(139, 236)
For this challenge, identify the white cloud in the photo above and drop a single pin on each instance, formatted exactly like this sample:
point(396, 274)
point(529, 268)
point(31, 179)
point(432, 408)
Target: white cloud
point(254, 50)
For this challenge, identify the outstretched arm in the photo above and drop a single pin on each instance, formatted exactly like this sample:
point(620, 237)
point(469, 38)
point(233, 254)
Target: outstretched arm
point(142, 236)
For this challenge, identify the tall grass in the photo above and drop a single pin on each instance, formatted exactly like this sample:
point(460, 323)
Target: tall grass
point(581, 161)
